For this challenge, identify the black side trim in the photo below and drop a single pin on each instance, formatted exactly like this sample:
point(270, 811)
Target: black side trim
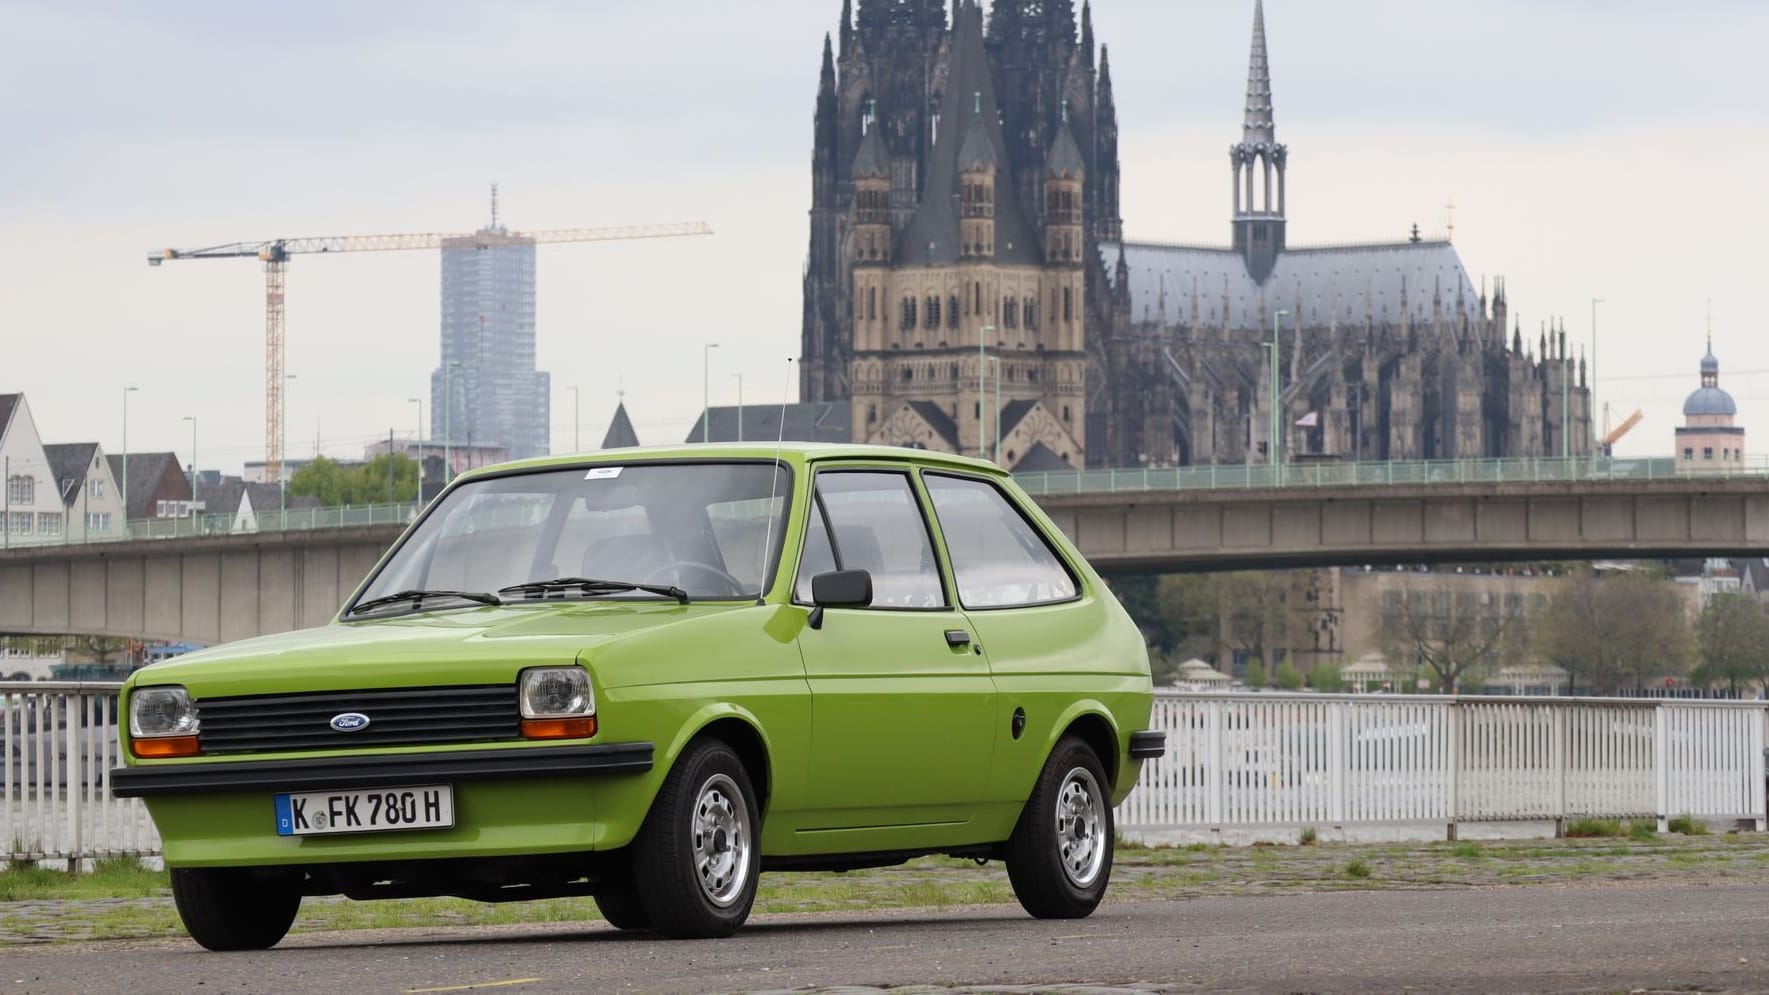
point(1149, 744)
point(373, 771)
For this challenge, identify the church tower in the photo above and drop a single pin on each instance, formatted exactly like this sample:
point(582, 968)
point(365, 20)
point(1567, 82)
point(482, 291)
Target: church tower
point(1257, 160)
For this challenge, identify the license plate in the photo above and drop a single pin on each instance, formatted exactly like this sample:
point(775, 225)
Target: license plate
point(371, 810)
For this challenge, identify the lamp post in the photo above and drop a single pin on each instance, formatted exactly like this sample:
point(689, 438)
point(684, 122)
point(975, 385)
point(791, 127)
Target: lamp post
point(983, 393)
point(418, 446)
point(739, 378)
point(193, 465)
point(706, 390)
point(1593, 385)
point(1275, 445)
point(995, 361)
point(448, 410)
point(576, 439)
point(126, 392)
point(282, 466)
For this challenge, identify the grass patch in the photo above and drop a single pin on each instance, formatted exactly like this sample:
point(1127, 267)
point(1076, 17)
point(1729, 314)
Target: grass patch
point(111, 877)
point(1308, 837)
point(1467, 851)
point(1642, 831)
point(1594, 829)
point(1357, 867)
point(1687, 826)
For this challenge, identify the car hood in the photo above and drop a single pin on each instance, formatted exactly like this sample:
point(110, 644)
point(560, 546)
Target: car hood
point(486, 645)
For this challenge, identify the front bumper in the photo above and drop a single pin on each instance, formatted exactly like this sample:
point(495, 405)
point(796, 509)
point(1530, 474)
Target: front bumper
point(378, 770)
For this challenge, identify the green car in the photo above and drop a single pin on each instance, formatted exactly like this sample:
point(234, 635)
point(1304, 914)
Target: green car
point(648, 675)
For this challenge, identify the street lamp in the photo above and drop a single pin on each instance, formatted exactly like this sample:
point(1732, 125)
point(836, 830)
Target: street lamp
point(1592, 392)
point(282, 465)
point(193, 465)
point(576, 438)
point(706, 389)
point(1275, 445)
point(739, 378)
point(983, 394)
point(126, 392)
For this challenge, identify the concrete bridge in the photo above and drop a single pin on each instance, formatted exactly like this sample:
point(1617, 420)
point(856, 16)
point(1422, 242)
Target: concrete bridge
point(218, 588)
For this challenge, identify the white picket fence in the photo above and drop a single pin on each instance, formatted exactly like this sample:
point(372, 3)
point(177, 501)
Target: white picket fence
point(1234, 762)
point(1278, 761)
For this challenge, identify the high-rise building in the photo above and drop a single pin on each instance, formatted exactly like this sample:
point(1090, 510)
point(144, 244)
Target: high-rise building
point(486, 392)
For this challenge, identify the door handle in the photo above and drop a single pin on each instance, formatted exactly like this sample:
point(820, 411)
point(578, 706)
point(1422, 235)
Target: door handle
point(957, 637)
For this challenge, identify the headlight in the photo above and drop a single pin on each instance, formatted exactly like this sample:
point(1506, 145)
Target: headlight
point(556, 703)
point(163, 722)
point(164, 711)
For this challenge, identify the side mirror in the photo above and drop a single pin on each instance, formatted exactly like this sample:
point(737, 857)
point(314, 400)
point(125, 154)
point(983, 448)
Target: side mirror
point(839, 589)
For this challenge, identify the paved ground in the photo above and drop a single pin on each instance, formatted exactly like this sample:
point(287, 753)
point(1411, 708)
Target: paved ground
point(1608, 937)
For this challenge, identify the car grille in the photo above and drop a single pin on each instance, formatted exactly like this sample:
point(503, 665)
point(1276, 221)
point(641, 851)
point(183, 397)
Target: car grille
point(397, 717)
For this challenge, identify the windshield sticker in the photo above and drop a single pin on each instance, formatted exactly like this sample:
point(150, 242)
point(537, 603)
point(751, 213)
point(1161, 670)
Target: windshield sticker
point(603, 473)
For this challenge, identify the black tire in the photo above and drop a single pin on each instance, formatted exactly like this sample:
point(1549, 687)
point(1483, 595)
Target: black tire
point(706, 806)
point(226, 908)
point(623, 910)
point(1059, 858)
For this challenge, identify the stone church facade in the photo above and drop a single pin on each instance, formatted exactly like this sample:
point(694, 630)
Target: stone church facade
point(969, 288)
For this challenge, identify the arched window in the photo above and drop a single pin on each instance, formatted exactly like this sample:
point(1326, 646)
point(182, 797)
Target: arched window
point(933, 311)
point(1068, 304)
point(871, 303)
point(908, 321)
point(952, 311)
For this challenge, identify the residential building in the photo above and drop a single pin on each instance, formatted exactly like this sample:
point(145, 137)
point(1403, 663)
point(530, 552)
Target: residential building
point(247, 502)
point(31, 509)
point(156, 483)
point(487, 392)
point(258, 471)
point(93, 499)
point(461, 458)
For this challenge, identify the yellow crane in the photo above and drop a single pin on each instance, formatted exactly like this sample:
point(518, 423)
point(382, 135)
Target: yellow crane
point(275, 254)
point(1607, 444)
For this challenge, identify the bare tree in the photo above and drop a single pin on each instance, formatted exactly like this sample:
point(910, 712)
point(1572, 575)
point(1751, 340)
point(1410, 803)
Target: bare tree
point(1616, 630)
point(1733, 635)
point(1452, 633)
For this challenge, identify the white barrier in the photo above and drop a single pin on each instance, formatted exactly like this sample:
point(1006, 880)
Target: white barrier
point(1233, 761)
point(1279, 761)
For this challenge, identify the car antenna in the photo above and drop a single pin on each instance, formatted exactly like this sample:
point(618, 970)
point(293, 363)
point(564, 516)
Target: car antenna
point(779, 444)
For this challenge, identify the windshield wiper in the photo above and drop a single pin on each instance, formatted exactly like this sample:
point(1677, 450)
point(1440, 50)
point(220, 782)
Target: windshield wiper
point(417, 597)
point(540, 588)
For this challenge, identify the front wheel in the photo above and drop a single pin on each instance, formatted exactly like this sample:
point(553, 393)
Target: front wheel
point(1059, 858)
point(698, 855)
point(227, 908)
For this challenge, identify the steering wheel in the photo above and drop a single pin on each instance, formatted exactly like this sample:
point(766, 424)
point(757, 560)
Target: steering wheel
point(734, 587)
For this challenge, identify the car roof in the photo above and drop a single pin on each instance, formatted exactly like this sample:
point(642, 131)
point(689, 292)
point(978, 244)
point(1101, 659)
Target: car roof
point(795, 452)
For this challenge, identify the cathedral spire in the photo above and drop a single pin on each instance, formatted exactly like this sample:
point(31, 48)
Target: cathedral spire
point(1258, 127)
point(1259, 206)
point(847, 28)
point(826, 81)
point(1087, 33)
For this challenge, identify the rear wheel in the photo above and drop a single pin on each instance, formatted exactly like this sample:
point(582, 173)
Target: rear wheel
point(228, 908)
point(697, 858)
point(1059, 858)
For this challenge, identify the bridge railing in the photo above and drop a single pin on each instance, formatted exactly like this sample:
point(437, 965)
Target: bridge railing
point(1233, 762)
point(1379, 474)
point(1278, 761)
point(271, 520)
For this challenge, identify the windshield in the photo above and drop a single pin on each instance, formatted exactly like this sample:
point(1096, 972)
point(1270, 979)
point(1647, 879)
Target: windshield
point(709, 529)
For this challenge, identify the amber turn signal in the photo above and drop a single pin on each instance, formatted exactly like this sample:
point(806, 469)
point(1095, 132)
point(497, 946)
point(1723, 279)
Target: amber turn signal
point(582, 728)
point(165, 746)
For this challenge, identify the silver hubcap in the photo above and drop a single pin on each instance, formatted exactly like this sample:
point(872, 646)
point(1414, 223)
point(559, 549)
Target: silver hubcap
point(1080, 828)
point(722, 846)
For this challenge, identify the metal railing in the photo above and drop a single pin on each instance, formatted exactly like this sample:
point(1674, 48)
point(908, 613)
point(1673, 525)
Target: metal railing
point(1233, 761)
point(272, 520)
point(1263, 761)
point(1240, 476)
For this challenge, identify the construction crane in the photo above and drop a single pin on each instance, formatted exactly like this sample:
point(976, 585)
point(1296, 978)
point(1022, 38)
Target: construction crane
point(275, 255)
point(1607, 444)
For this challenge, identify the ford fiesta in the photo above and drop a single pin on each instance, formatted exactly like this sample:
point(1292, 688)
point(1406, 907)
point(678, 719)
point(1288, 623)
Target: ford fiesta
point(650, 675)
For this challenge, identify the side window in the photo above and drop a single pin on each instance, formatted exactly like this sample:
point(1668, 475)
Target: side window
point(1000, 560)
point(874, 524)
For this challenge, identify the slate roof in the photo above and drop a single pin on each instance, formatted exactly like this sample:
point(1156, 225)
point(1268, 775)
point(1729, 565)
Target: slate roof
point(223, 497)
point(69, 462)
point(146, 471)
point(938, 419)
point(1015, 412)
point(1065, 156)
point(810, 422)
point(1039, 459)
point(932, 236)
point(620, 434)
point(8, 402)
point(1185, 285)
point(872, 160)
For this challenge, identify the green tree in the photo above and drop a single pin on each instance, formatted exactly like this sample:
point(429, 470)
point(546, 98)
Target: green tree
point(1255, 675)
point(1289, 678)
point(1733, 636)
point(1141, 597)
point(1325, 677)
point(1615, 631)
point(336, 485)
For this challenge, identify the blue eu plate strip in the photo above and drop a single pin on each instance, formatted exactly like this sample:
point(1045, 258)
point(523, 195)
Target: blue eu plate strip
point(285, 817)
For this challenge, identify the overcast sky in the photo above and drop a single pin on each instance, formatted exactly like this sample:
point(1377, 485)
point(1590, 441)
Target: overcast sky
point(1593, 148)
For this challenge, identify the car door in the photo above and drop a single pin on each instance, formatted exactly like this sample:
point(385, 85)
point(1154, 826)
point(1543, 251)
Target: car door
point(902, 703)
